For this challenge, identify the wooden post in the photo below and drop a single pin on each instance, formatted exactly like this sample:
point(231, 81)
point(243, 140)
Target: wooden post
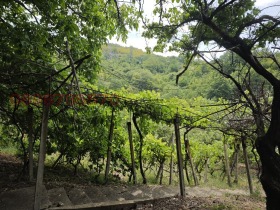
point(227, 164)
point(133, 170)
point(30, 142)
point(42, 155)
point(171, 159)
point(109, 149)
point(179, 156)
point(247, 164)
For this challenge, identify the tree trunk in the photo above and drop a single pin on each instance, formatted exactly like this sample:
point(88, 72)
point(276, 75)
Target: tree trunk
point(57, 160)
point(141, 138)
point(270, 173)
point(109, 149)
point(179, 156)
point(266, 146)
point(171, 160)
point(187, 171)
point(30, 142)
point(206, 171)
point(133, 170)
point(161, 175)
point(25, 158)
point(186, 165)
point(42, 155)
point(188, 151)
point(227, 164)
point(247, 164)
point(236, 163)
point(160, 171)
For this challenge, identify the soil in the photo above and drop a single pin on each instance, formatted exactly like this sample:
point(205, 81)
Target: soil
point(201, 203)
point(196, 198)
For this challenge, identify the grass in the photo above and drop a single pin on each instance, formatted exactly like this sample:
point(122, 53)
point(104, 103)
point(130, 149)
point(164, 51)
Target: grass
point(9, 150)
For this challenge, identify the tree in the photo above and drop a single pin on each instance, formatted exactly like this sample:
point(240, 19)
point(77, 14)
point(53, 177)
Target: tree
point(38, 37)
point(239, 27)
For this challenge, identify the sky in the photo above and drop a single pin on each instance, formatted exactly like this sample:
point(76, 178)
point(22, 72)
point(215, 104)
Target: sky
point(136, 40)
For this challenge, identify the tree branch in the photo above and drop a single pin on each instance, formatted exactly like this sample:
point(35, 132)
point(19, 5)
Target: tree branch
point(255, 21)
point(185, 69)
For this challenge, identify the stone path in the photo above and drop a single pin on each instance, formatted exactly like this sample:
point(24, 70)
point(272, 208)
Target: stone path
point(100, 197)
point(84, 197)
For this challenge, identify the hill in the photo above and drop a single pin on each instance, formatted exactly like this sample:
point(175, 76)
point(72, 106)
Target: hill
point(134, 70)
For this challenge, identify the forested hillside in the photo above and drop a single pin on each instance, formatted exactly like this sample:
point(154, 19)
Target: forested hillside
point(135, 70)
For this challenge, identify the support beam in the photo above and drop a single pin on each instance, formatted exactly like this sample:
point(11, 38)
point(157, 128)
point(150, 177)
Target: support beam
point(171, 159)
point(42, 155)
point(179, 156)
point(30, 142)
point(109, 149)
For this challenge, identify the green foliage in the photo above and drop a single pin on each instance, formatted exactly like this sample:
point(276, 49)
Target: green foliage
point(138, 72)
point(155, 150)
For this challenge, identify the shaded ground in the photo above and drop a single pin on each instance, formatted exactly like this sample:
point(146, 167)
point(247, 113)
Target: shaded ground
point(202, 203)
point(72, 192)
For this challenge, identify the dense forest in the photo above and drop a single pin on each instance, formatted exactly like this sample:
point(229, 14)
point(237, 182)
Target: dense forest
point(69, 98)
point(135, 70)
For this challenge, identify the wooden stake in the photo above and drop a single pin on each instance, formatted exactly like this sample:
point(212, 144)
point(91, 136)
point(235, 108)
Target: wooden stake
point(30, 142)
point(179, 156)
point(171, 159)
point(42, 155)
point(131, 152)
point(109, 149)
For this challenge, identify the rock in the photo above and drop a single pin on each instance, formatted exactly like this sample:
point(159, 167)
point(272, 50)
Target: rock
point(137, 192)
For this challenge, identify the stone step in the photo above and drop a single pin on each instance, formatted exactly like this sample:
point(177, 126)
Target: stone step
point(97, 195)
point(113, 205)
point(58, 197)
point(78, 196)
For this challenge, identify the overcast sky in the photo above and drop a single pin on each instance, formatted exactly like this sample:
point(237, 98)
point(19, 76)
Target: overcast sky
point(135, 39)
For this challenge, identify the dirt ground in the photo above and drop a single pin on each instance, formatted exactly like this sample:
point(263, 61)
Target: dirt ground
point(201, 203)
point(197, 198)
